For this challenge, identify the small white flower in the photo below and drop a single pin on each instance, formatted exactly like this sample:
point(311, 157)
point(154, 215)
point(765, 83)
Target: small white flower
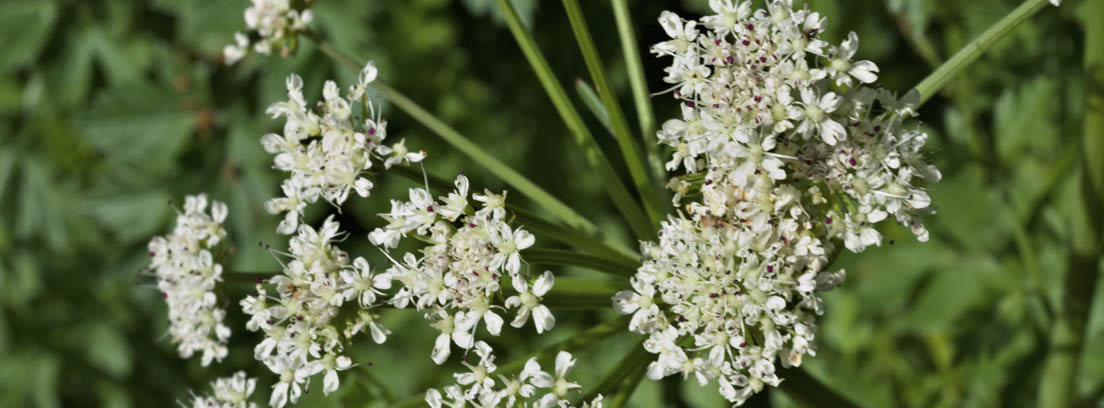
point(529, 301)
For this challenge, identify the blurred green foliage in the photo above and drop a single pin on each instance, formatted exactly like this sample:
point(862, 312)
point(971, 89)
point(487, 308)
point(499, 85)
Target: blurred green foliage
point(111, 109)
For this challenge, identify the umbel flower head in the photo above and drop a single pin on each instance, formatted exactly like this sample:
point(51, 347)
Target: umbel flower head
point(305, 332)
point(456, 278)
point(790, 153)
point(187, 273)
point(328, 149)
point(273, 24)
point(229, 392)
point(481, 387)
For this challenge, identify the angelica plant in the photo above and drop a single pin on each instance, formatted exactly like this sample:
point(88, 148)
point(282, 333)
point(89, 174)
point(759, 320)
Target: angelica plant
point(786, 153)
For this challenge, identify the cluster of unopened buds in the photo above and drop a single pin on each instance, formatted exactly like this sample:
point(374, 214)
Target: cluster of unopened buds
point(187, 273)
point(785, 152)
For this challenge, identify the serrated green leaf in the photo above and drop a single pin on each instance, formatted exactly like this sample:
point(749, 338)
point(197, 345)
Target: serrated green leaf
point(131, 217)
point(139, 127)
point(106, 349)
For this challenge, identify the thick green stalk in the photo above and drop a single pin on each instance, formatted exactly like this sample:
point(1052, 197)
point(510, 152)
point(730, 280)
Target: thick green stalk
point(972, 51)
point(642, 99)
point(545, 256)
point(646, 186)
point(594, 104)
point(617, 374)
point(620, 195)
point(545, 355)
point(555, 207)
point(628, 385)
point(1059, 377)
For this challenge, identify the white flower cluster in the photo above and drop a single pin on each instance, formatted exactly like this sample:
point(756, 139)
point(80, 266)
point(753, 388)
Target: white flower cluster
point(186, 276)
point(229, 392)
point(303, 332)
point(276, 24)
point(478, 386)
point(328, 150)
point(788, 151)
point(459, 274)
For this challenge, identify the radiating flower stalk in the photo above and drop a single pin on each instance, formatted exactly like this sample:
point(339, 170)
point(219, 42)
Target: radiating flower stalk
point(784, 155)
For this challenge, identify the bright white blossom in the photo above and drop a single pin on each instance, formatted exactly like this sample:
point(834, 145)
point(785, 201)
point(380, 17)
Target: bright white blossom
point(328, 149)
point(790, 153)
point(273, 24)
point(229, 392)
point(457, 277)
point(304, 332)
point(187, 273)
point(482, 387)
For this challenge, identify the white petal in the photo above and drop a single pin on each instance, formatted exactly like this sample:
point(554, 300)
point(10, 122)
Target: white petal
point(864, 71)
point(494, 322)
point(564, 362)
point(543, 284)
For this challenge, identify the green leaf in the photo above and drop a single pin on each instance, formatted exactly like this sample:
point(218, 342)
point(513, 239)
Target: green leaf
point(139, 127)
point(543, 256)
point(24, 28)
point(952, 293)
point(131, 217)
point(106, 349)
point(1025, 120)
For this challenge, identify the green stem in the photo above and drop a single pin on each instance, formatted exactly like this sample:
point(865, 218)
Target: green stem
point(642, 99)
point(972, 51)
point(628, 207)
point(545, 355)
point(1059, 376)
point(555, 207)
point(630, 149)
point(544, 256)
point(609, 249)
point(594, 104)
point(628, 386)
point(617, 375)
point(807, 390)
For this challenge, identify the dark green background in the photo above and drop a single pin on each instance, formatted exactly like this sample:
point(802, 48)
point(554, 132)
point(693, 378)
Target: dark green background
point(109, 109)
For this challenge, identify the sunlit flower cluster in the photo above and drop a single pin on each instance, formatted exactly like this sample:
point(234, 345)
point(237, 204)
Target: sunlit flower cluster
point(328, 149)
point(303, 332)
point(186, 274)
point(786, 152)
point(229, 392)
point(482, 387)
point(456, 278)
point(274, 24)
